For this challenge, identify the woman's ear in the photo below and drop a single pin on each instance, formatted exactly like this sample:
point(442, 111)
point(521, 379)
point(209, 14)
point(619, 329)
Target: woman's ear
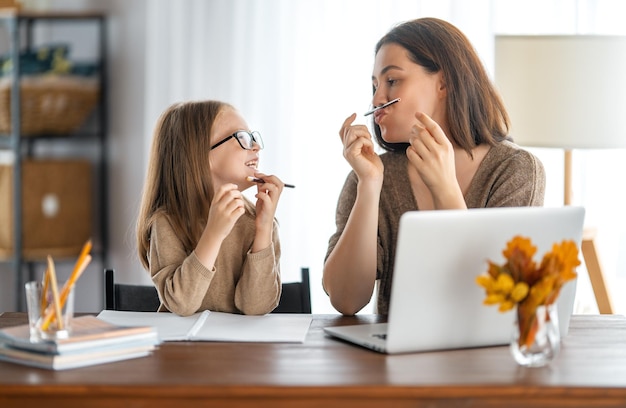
point(443, 90)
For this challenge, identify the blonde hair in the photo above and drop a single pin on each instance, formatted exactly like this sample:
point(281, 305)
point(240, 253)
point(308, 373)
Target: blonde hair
point(178, 183)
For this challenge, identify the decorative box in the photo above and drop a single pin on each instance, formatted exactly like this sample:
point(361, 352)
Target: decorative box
point(56, 208)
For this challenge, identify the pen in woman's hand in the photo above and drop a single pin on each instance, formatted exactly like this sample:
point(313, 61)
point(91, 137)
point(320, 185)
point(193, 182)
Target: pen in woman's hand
point(381, 107)
point(258, 180)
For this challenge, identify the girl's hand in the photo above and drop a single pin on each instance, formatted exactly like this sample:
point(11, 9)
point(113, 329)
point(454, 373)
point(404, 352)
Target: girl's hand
point(358, 149)
point(432, 155)
point(226, 208)
point(267, 196)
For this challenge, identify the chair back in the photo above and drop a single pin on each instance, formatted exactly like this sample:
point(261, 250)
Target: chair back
point(295, 296)
point(133, 298)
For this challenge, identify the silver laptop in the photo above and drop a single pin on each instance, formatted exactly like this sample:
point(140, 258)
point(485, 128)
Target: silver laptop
point(435, 302)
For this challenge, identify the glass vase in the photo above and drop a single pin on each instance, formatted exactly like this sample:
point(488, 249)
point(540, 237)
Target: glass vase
point(536, 339)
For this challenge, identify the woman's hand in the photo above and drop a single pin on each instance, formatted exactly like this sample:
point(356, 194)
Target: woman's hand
point(358, 149)
point(432, 155)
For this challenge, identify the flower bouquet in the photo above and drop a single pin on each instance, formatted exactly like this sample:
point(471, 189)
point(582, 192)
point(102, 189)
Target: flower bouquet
point(532, 288)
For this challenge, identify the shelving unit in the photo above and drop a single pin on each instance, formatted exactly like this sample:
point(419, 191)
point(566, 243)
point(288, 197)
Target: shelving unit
point(20, 28)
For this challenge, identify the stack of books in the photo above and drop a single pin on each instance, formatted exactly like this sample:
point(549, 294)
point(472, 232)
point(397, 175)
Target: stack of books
point(92, 341)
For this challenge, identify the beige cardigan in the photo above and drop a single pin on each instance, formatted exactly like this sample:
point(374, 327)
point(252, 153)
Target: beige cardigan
point(508, 176)
point(240, 281)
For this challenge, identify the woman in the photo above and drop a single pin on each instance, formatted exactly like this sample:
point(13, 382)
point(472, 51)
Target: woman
point(446, 148)
point(207, 247)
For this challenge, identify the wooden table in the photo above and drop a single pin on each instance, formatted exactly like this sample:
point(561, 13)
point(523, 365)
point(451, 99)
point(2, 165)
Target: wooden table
point(589, 372)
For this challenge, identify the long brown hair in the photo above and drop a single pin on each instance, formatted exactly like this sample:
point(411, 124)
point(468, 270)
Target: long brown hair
point(178, 182)
point(474, 110)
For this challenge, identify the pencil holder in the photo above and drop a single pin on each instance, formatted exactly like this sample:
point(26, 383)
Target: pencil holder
point(50, 310)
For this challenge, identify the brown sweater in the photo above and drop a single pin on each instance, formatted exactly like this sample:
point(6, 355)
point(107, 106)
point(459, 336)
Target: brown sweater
point(508, 176)
point(240, 281)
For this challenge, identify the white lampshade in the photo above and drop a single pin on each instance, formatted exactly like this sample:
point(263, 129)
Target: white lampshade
point(565, 91)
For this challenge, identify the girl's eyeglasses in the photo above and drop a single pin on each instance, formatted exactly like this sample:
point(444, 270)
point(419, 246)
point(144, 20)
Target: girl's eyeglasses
point(245, 139)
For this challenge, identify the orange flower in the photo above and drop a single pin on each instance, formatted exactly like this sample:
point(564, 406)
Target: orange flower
point(520, 282)
point(501, 288)
point(519, 255)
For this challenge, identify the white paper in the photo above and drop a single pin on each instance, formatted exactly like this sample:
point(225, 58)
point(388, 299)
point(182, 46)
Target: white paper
point(170, 326)
point(217, 326)
point(283, 328)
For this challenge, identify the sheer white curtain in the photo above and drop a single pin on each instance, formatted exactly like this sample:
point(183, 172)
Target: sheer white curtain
point(296, 69)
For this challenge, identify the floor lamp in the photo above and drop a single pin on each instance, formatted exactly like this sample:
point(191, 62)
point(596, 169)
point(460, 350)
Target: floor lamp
point(569, 92)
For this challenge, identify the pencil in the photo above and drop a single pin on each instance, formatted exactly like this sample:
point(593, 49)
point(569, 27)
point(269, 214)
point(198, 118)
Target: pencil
point(81, 264)
point(76, 272)
point(55, 296)
point(381, 107)
point(259, 180)
point(65, 292)
point(43, 304)
point(83, 254)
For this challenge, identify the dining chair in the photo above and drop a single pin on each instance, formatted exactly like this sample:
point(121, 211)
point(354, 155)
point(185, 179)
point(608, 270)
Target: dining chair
point(295, 296)
point(125, 297)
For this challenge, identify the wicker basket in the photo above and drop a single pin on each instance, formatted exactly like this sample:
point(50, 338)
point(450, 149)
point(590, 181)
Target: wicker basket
point(50, 104)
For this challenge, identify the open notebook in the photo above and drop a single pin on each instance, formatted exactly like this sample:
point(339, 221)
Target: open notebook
point(435, 302)
point(217, 326)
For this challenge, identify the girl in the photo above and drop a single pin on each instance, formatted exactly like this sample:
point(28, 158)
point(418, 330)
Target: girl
point(447, 148)
point(206, 245)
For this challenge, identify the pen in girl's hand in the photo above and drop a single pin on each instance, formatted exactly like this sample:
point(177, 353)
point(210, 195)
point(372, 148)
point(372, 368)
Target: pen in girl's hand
point(381, 107)
point(258, 180)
